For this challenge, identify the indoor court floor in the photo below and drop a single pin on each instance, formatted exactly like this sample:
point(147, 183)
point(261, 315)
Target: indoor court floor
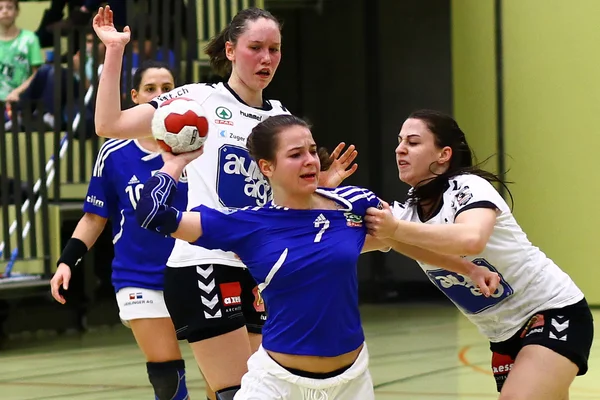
point(420, 352)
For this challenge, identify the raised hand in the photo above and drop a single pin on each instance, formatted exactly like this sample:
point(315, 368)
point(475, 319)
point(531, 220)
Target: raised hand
point(106, 31)
point(339, 171)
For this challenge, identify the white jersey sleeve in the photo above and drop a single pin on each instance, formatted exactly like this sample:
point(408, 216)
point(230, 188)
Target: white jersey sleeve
point(472, 191)
point(400, 211)
point(198, 92)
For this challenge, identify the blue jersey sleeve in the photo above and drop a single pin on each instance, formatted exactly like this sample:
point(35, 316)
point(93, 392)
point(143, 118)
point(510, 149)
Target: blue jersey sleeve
point(372, 200)
point(227, 229)
point(360, 198)
point(100, 195)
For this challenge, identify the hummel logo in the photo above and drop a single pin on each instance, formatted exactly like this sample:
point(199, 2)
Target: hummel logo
point(133, 181)
point(320, 220)
point(559, 328)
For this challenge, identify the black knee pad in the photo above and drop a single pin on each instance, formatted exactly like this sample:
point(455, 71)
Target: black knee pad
point(168, 380)
point(227, 393)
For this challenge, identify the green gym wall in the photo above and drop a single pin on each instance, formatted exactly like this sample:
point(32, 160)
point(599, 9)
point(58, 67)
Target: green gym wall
point(551, 101)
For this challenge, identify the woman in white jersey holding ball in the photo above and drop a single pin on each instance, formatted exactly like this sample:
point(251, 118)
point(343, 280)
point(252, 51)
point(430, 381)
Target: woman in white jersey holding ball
point(538, 321)
point(212, 299)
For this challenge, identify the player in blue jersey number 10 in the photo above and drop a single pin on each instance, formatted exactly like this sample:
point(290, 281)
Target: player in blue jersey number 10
point(538, 322)
point(302, 250)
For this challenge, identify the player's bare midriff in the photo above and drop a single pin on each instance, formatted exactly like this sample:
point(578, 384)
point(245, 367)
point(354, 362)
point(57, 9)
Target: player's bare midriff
point(316, 364)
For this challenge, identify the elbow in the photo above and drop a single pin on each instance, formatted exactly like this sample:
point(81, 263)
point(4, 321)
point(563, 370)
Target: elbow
point(106, 126)
point(94, 219)
point(102, 129)
point(474, 244)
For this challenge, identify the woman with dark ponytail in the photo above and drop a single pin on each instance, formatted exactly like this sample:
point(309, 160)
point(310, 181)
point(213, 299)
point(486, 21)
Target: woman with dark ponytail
point(538, 322)
point(215, 50)
point(213, 301)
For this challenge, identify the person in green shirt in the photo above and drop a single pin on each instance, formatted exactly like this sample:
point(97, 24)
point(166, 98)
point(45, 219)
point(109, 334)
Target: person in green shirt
point(20, 53)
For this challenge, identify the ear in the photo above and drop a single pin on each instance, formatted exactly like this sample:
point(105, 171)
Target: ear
point(229, 51)
point(445, 155)
point(134, 96)
point(266, 167)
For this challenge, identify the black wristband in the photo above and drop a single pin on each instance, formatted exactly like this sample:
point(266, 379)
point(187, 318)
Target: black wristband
point(72, 253)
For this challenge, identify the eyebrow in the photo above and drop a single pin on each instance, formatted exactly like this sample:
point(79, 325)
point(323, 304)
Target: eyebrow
point(301, 147)
point(261, 42)
point(410, 135)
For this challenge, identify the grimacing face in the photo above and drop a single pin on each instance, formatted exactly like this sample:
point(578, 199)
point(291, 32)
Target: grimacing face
point(417, 156)
point(297, 166)
point(257, 53)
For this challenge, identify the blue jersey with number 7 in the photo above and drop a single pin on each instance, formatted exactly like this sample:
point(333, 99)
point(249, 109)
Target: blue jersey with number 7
point(305, 264)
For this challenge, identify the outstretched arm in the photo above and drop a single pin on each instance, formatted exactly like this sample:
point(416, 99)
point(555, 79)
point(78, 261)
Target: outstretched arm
point(382, 224)
point(486, 280)
point(468, 235)
point(110, 120)
point(451, 263)
point(372, 244)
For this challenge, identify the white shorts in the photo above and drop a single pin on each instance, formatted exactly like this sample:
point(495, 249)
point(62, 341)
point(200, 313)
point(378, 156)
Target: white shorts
point(266, 380)
point(137, 303)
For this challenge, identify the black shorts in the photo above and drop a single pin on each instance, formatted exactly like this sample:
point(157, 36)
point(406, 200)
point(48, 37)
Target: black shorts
point(568, 331)
point(210, 300)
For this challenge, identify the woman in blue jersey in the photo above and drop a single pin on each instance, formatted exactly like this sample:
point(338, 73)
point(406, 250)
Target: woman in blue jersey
point(140, 259)
point(302, 249)
point(247, 53)
point(538, 322)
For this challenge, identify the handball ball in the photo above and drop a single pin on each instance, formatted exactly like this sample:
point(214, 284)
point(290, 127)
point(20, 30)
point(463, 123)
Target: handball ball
point(180, 125)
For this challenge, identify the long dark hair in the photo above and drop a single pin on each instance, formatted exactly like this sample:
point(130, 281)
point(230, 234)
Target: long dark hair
point(447, 133)
point(215, 49)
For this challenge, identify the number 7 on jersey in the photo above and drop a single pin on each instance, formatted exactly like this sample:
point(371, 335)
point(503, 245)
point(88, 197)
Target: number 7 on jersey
point(322, 222)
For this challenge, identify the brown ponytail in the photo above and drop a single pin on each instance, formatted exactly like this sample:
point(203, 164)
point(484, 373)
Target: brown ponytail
point(215, 50)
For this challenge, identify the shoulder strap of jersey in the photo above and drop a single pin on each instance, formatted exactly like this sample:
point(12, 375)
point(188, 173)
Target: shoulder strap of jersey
point(356, 199)
point(109, 147)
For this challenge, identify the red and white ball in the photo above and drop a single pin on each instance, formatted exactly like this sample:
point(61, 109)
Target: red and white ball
point(180, 125)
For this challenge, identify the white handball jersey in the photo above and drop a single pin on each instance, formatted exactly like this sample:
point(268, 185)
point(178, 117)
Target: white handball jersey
point(531, 282)
point(225, 175)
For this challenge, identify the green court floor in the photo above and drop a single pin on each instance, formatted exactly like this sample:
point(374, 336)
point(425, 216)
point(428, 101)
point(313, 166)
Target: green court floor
point(419, 352)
